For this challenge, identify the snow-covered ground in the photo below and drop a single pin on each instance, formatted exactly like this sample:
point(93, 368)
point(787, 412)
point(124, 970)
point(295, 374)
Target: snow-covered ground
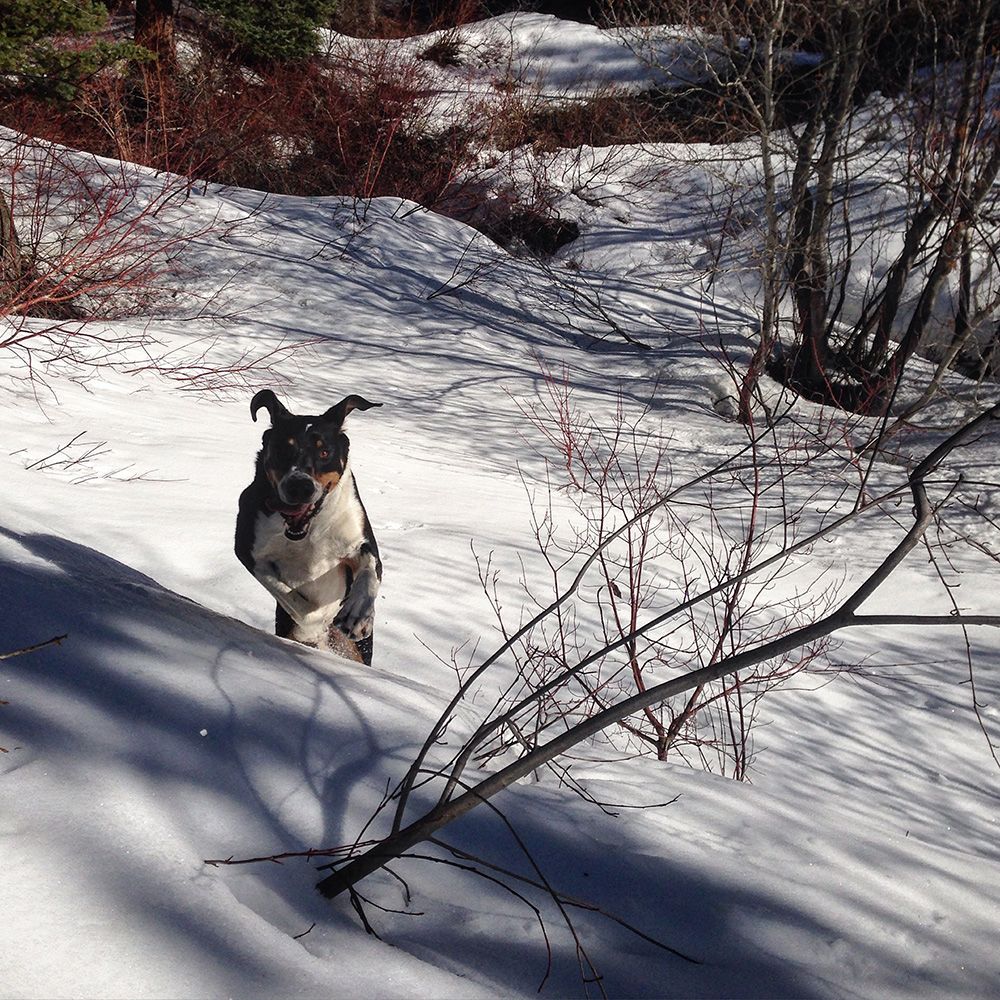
point(558, 59)
point(170, 727)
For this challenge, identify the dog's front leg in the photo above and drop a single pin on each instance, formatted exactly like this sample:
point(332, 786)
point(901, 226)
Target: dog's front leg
point(291, 600)
point(356, 617)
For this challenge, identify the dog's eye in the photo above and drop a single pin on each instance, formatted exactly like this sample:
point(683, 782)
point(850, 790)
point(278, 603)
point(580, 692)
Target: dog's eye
point(323, 453)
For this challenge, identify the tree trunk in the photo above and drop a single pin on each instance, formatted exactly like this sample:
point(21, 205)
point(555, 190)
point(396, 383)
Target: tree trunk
point(811, 271)
point(941, 198)
point(11, 264)
point(154, 30)
point(973, 195)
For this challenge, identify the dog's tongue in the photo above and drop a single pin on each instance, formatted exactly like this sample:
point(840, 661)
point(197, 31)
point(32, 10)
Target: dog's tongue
point(295, 512)
point(296, 517)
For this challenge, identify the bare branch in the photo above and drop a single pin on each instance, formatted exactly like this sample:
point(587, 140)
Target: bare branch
point(54, 641)
point(845, 616)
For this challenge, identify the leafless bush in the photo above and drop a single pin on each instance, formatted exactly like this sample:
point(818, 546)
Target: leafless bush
point(343, 124)
point(83, 241)
point(336, 126)
point(82, 247)
point(612, 473)
point(91, 252)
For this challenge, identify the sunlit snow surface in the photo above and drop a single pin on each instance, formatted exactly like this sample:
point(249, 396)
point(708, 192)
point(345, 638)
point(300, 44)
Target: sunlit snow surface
point(170, 727)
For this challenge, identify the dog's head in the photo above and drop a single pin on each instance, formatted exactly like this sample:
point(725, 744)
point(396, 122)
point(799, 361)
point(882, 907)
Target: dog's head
point(303, 457)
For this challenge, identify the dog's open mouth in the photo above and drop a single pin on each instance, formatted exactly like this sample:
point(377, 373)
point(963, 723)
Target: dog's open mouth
point(298, 518)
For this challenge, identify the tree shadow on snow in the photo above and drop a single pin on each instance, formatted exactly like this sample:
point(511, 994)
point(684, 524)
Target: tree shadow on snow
point(224, 741)
point(447, 360)
point(468, 922)
point(168, 734)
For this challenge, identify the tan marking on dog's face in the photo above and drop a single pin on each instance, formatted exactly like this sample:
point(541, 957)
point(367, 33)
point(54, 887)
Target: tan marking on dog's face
point(328, 480)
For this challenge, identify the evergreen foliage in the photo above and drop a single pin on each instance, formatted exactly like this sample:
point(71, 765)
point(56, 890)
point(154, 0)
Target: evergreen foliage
point(268, 31)
point(49, 46)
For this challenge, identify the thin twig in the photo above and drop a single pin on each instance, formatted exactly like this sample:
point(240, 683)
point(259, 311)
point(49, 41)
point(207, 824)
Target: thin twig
point(582, 904)
point(56, 640)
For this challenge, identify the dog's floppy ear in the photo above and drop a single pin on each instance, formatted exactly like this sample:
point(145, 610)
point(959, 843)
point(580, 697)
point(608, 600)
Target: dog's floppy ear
point(336, 414)
point(267, 399)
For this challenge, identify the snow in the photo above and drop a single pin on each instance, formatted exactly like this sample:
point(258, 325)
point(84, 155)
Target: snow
point(170, 727)
point(558, 58)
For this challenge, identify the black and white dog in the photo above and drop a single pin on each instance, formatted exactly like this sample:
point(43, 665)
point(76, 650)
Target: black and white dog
point(303, 531)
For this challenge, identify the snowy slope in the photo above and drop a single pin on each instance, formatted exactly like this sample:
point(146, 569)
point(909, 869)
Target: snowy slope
point(170, 727)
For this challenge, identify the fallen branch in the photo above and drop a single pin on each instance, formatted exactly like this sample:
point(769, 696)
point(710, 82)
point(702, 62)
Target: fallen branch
point(400, 841)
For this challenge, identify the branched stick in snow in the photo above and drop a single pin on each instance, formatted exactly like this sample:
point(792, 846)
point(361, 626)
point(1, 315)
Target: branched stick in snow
point(402, 840)
point(56, 640)
point(465, 272)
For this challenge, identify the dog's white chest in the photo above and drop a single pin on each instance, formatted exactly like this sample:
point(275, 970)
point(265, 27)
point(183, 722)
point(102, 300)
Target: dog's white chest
point(335, 534)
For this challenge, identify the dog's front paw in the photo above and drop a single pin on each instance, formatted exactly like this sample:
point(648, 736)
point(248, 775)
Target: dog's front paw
point(356, 617)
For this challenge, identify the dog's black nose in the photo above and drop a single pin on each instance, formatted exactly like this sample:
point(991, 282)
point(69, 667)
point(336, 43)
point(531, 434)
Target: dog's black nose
point(297, 488)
